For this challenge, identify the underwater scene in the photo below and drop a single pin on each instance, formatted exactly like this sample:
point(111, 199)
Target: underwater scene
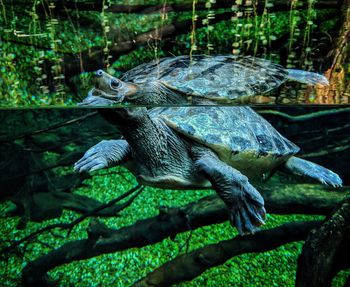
point(175, 143)
point(102, 228)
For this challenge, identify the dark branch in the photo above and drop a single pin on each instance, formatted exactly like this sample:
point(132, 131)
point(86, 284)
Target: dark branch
point(171, 221)
point(190, 265)
point(92, 59)
point(137, 190)
point(53, 127)
point(309, 116)
point(319, 252)
point(65, 160)
point(72, 224)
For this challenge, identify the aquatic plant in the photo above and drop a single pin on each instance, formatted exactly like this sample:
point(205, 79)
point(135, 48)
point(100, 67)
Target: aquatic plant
point(65, 40)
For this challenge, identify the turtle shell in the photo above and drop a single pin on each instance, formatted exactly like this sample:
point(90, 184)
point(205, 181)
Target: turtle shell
point(239, 136)
point(211, 77)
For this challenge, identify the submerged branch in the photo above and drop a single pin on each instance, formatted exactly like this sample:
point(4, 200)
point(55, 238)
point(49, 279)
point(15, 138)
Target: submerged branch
point(318, 257)
point(190, 265)
point(66, 160)
point(137, 190)
point(309, 116)
point(171, 221)
point(53, 127)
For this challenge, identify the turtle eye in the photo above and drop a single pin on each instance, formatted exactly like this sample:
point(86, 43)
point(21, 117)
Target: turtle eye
point(115, 84)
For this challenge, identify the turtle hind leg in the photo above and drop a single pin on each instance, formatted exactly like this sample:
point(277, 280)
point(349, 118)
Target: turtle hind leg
point(244, 202)
point(312, 170)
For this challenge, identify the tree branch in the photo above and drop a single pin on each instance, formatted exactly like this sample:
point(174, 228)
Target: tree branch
point(66, 160)
point(319, 252)
point(170, 221)
point(52, 127)
point(137, 190)
point(339, 87)
point(92, 59)
point(190, 265)
point(308, 116)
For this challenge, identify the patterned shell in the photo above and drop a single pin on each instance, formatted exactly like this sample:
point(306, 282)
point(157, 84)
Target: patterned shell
point(229, 131)
point(211, 77)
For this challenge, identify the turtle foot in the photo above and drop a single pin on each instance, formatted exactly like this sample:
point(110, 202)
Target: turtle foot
point(312, 170)
point(328, 177)
point(247, 217)
point(95, 158)
point(245, 203)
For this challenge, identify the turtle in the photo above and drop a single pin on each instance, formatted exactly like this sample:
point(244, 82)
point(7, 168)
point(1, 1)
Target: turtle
point(198, 79)
point(227, 149)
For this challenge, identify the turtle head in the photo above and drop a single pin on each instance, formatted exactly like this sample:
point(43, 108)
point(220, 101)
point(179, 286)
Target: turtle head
point(108, 91)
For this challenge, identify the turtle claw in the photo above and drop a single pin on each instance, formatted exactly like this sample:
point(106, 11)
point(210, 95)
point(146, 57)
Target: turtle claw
point(98, 166)
point(258, 213)
point(236, 221)
point(245, 203)
point(106, 153)
point(328, 177)
point(247, 218)
point(88, 164)
point(324, 176)
point(95, 158)
point(314, 171)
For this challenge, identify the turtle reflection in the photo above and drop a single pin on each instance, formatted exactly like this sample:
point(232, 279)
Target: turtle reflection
point(195, 80)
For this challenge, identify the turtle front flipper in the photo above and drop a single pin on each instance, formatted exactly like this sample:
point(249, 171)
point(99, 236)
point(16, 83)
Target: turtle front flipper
point(106, 153)
point(96, 101)
point(312, 170)
point(245, 204)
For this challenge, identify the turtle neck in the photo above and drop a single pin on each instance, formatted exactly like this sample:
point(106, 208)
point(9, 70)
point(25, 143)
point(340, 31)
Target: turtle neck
point(146, 139)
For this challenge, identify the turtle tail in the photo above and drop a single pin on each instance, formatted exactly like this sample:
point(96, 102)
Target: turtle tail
point(305, 77)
